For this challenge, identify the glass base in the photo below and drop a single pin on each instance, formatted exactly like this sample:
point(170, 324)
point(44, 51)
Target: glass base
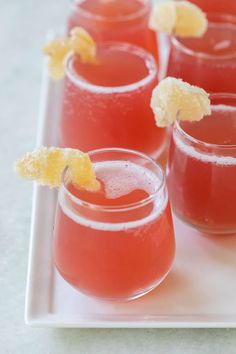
point(122, 299)
point(204, 230)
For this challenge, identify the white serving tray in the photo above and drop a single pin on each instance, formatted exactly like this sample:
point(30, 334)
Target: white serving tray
point(199, 292)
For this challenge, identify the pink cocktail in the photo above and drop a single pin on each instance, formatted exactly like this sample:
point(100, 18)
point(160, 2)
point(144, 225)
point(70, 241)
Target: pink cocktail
point(115, 20)
point(117, 243)
point(108, 104)
point(202, 169)
point(210, 61)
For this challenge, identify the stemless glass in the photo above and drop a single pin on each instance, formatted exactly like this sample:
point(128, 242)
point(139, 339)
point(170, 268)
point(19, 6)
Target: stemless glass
point(109, 104)
point(117, 20)
point(116, 251)
point(202, 168)
point(210, 61)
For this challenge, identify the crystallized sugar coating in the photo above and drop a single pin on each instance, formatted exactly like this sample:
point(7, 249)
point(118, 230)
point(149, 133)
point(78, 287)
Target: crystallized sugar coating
point(82, 43)
point(163, 17)
point(79, 42)
point(46, 165)
point(174, 98)
point(191, 20)
point(57, 50)
point(181, 18)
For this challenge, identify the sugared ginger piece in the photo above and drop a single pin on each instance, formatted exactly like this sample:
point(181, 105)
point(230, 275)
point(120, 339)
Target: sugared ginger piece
point(163, 17)
point(79, 42)
point(46, 165)
point(82, 43)
point(57, 50)
point(191, 20)
point(180, 18)
point(175, 99)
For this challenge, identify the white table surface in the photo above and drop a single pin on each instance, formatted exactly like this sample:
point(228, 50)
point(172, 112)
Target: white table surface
point(24, 24)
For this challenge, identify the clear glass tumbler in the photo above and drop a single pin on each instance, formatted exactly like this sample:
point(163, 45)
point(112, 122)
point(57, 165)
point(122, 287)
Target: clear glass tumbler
point(118, 243)
point(108, 104)
point(116, 20)
point(202, 169)
point(210, 61)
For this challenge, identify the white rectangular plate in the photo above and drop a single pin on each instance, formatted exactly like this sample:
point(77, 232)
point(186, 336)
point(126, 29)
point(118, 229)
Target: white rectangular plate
point(199, 292)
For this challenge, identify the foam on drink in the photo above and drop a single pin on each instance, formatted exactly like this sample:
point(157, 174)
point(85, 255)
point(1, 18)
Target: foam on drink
point(226, 136)
point(119, 179)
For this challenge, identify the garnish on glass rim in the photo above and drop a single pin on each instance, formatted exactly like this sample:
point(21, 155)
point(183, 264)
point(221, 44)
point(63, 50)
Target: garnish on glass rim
point(175, 99)
point(46, 165)
point(79, 42)
point(180, 18)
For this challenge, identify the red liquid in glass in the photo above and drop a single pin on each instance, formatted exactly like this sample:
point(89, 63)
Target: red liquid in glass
point(115, 20)
point(103, 254)
point(208, 62)
point(119, 116)
point(202, 187)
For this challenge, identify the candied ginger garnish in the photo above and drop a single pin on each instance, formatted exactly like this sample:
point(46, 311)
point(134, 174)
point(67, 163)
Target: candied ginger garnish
point(181, 18)
point(175, 99)
point(163, 17)
point(191, 20)
point(46, 165)
point(79, 42)
point(57, 50)
point(82, 43)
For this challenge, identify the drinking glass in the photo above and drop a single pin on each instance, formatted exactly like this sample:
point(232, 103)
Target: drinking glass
point(202, 168)
point(108, 104)
point(116, 20)
point(115, 244)
point(210, 61)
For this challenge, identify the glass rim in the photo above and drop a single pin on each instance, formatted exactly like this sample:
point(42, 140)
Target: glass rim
point(142, 53)
point(201, 55)
point(202, 143)
point(124, 207)
point(117, 19)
